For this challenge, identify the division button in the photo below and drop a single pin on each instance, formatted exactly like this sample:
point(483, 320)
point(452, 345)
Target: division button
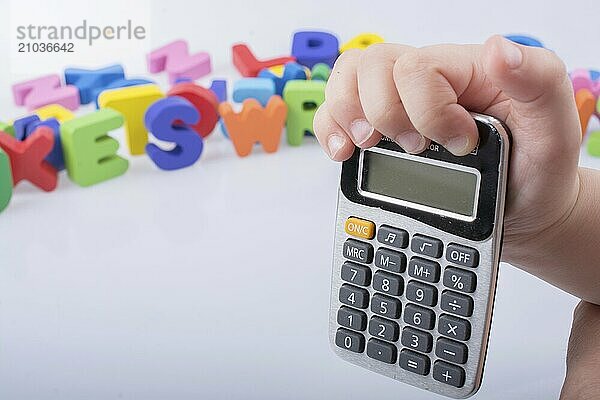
point(456, 303)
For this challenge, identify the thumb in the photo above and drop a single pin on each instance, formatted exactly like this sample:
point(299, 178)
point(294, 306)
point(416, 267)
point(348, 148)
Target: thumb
point(536, 81)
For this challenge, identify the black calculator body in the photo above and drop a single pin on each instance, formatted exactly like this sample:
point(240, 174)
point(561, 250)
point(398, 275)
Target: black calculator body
point(416, 256)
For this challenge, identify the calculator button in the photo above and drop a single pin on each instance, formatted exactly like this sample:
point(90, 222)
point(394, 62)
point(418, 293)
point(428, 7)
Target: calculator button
point(417, 340)
point(384, 329)
point(450, 350)
point(358, 251)
point(353, 296)
point(360, 228)
point(456, 303)
point(459, 279)
point(353, 319)
point(454, 328)
point(427, 246)
point(423, 269)
point(414, 362)
point(462, 255)
point(391, 260)
point(393, 237)
point(386, 306)
point(421, 293)
point(388, 283)
point(357, 274)
point(382, 351)
point(350, 340)
point(449, 374)
point(418, 316)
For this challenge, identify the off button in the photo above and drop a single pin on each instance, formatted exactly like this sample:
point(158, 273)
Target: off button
point(360, 228)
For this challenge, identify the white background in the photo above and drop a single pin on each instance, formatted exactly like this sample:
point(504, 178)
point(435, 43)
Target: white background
point(212, 282)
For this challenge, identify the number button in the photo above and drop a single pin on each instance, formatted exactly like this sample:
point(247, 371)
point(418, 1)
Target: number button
point(353, 319)
point(358, 251)
point(349, 340)
point(459, 279)
point(417, 340)
point(421, 293)
point(427, 246)
point(353, 296)
point(357, 274)
point(423, 269)
point(454, 328)
point(393, 237)
point(381, 351)
point(360, 228)
point(462, 255)
point(386, 306)
point(456, 303)
point(390, 260)
point(419, 316)
point(448, 374)
point(388, 283)
point(384, 329)
point(414, 362)
point(450, 350)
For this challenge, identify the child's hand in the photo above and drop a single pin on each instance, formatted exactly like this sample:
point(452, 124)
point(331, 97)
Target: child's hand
point(415, 95)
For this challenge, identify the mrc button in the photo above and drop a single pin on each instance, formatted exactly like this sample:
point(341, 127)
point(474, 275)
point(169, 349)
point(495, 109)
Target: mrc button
point(360, 228)
point(358, 251)
point(462, 255)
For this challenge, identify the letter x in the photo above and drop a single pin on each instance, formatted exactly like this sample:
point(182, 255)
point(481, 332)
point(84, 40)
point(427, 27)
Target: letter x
point(27, 158)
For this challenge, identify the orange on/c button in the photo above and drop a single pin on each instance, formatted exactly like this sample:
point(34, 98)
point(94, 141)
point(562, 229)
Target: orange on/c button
point(360, 228)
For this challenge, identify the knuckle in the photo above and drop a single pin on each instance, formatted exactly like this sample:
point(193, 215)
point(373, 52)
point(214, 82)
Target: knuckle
point(350, 55)
point(337, 106)
point(380, 115)
point(410, 63)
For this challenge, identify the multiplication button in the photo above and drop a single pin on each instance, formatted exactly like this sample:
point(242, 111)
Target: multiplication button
point(350, 340)
point(414, 362)
point(454, 328)
point(449, 374)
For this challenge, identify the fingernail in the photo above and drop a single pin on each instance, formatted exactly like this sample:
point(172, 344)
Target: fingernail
point(411, 142)
point(512, 54)
point(335, 142)
point(360, 130)
point(459, 145)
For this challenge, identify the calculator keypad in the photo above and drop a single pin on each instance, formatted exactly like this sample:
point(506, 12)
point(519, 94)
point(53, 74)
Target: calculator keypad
point(412, 333)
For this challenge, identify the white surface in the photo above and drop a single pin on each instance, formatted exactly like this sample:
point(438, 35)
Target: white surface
point(212, 282)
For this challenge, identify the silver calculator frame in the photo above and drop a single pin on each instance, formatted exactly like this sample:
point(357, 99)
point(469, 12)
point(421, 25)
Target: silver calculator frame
point(487, 273)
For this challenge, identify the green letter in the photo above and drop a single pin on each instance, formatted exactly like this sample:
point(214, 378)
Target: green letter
point(90, 154)
point(302, 98)
point(6, 182)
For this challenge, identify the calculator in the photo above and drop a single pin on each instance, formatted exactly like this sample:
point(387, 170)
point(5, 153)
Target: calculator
point(416, 256)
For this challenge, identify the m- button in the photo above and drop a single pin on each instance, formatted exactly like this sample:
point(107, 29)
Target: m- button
point(360, 228)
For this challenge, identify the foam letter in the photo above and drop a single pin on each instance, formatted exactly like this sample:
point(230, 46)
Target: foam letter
point(586, 105)
point(320, 72)
point(160, 120)
point(302, 98)
point(54, 111)
point(177, 61)
point(204, 101)
point(132, 102)
point(525, 40)
point(121, 83)
point(90, 82)
point(248, 65)
point(361, 41)
point(56, 157)
point(45, 90)
point(7, 128)
point(20, 126)
point(27, 158)
point(261, 89)
point(219, 87)
point(90, 154)
point(290, 72)
point(6, 183)
point(593, 144)
point(312, 47)
point(255, 124)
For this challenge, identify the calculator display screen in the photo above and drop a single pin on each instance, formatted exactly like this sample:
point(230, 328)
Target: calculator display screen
point(419, 182)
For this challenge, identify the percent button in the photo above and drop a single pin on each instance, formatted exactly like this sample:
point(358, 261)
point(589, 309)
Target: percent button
point(460, 280)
